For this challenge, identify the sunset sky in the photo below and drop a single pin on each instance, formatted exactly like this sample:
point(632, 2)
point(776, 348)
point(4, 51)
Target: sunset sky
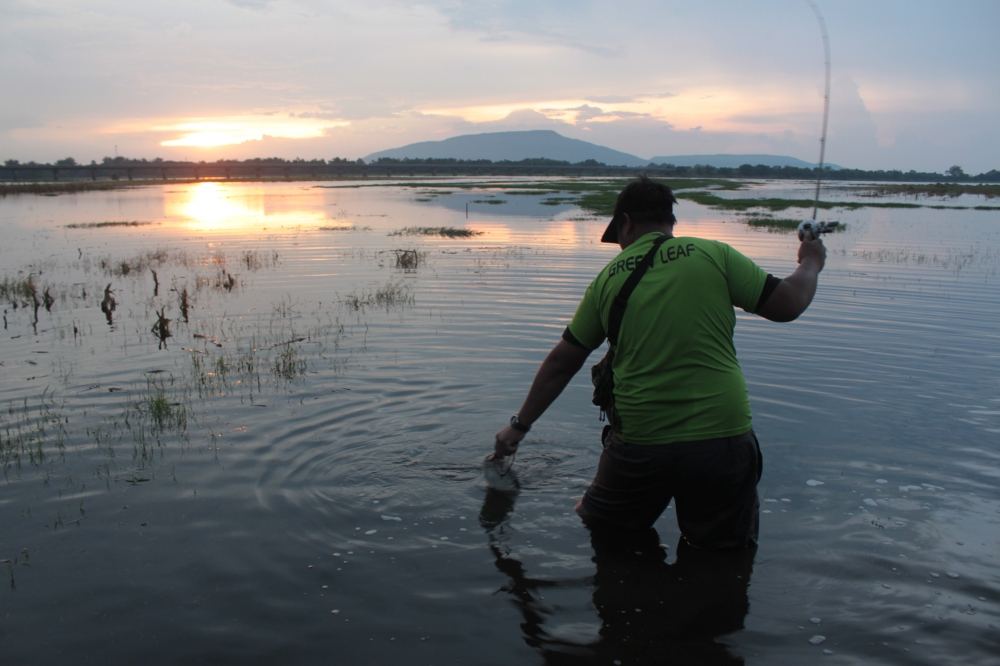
point(915, 84)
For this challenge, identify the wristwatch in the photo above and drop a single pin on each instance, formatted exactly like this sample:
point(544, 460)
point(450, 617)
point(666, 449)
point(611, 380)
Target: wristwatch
point(516, 424)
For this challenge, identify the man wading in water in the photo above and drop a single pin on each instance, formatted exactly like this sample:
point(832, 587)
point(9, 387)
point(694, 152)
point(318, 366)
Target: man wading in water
point(680, 425)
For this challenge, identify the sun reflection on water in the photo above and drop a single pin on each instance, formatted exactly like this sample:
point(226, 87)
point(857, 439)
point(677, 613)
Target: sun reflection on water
point(209, 207)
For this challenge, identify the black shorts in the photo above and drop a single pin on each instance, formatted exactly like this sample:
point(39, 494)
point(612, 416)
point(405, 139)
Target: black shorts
point(713, 481)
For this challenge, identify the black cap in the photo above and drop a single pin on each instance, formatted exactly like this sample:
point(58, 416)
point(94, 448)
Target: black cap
point(644, 200)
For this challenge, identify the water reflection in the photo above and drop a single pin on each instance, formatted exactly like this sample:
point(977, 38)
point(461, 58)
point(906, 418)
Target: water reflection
point(501, 203)
point(550, 234)
point(650, 612)
point(231, 207)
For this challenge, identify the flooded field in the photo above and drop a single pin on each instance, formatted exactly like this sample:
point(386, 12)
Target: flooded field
point(244, 423)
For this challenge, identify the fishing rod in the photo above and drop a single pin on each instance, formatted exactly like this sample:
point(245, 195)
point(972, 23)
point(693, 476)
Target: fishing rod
point(811, 229)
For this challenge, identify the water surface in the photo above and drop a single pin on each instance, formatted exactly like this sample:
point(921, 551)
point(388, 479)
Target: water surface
point(294, 475)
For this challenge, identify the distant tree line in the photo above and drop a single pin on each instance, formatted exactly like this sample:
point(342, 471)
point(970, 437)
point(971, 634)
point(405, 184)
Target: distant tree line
point(157, 161)
point(16, 170)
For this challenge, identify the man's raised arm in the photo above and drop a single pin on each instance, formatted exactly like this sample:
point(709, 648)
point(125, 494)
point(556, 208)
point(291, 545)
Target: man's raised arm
point(794, 294)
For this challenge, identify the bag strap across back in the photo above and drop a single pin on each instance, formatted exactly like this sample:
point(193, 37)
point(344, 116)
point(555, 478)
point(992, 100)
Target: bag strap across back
point(621, 300)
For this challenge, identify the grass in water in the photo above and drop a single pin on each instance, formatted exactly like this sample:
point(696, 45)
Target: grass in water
point(137, 264)
point(101, 225)
point(393, 294)
point(255, 260)
point(30, 431)
point(220, 375)
point(288, 365)
point(772, 204)
point(220, 370)
point(447, 232)
point(595, 196)
point(776, 204)
point(774, 224)
point(345, 227)
point(21, 290)
point(164, 413)
point(932, 190)
point(782, 224)
point(67, 188)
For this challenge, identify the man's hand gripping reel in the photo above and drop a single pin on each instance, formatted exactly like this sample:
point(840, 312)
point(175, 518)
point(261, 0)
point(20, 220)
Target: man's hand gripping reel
point(811, 230)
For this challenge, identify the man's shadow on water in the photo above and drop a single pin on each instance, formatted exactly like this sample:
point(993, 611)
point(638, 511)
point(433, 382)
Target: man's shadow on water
point(651, 612)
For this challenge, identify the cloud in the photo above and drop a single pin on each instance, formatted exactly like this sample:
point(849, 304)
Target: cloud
point(525, 119)
point(613, 99)
point(560, 23)
point(250, 4)
point(586, 112)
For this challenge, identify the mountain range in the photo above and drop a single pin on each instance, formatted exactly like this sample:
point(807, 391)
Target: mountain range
point(547, 144)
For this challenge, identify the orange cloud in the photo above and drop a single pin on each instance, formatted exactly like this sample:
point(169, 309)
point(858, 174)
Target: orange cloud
point(212, 132)
point(714, 109)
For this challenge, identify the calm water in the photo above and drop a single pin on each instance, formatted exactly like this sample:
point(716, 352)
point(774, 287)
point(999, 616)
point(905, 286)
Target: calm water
point(294, 475)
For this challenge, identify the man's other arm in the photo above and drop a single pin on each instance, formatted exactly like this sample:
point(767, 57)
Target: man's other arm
point(558, 368)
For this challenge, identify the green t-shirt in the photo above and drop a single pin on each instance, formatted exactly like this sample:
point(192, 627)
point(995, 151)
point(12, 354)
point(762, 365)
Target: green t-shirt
point(676, 374)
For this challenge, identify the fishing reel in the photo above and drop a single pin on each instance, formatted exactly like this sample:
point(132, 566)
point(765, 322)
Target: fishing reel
point(811, 229)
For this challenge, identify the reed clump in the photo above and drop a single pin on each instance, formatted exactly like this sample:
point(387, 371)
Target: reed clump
point(223, 280)
point(185, 304)
point(20, 291)
point(161, 329)
point(108, 304)
point(165, 412)
point(288, 364)
point(255, 260)
point(138, 264)
point(408, 259)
